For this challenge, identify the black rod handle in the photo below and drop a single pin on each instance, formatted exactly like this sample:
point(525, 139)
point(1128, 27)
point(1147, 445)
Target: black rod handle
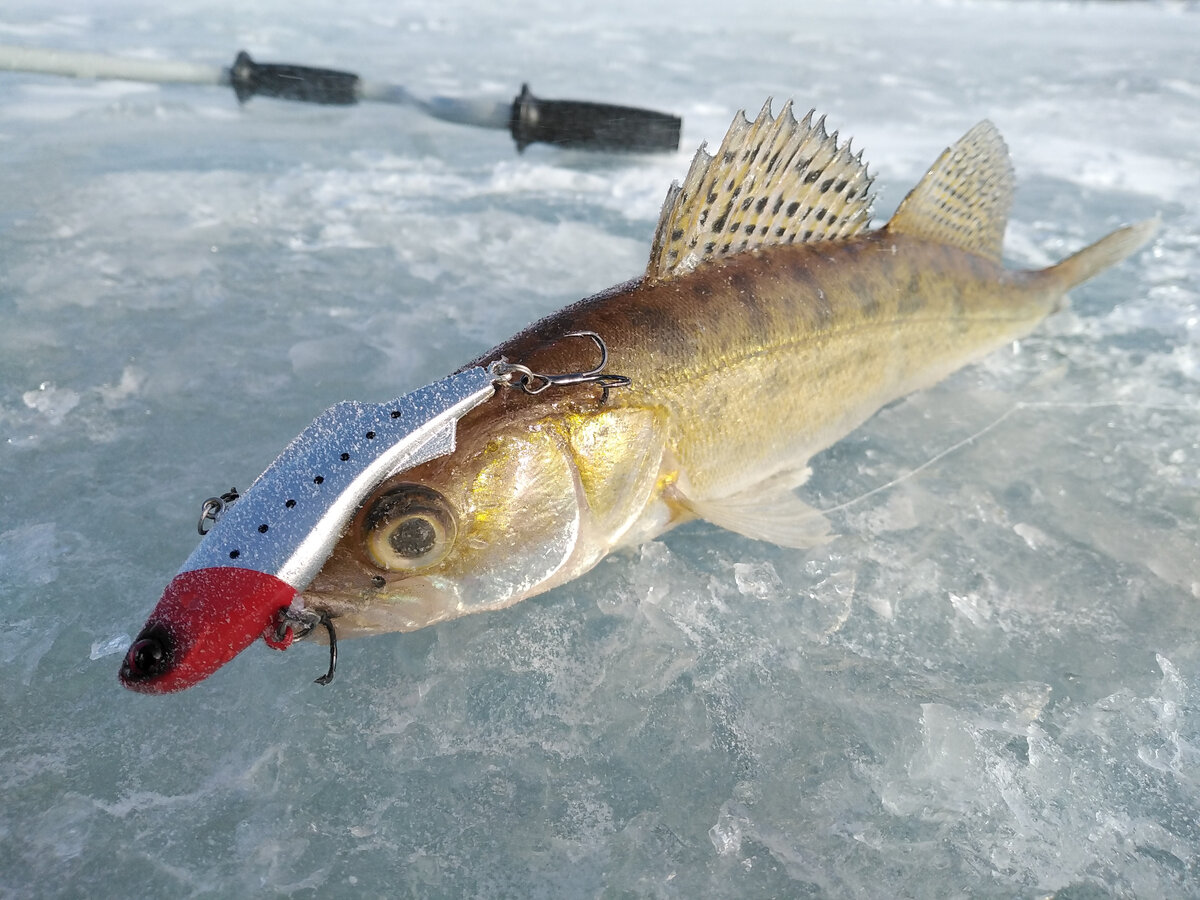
point(287, 82)
point(591, 126)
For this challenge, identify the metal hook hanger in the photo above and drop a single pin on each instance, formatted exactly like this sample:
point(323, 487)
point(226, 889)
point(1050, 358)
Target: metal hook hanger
point(212, 508)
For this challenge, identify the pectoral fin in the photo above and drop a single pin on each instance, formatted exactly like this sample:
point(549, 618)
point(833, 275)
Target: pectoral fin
point(769, 512)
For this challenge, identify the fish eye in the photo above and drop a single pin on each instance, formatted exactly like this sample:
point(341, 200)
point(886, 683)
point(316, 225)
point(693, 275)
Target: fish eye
point(410, 527)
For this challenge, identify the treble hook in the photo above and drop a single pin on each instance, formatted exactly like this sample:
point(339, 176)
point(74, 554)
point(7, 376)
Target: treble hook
point(535, 382)
point(328, 676)
point(301, 623)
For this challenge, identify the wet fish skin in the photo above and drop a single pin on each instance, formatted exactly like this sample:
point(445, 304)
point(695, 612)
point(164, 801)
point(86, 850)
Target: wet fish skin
point(740, 369)
point(769, 357)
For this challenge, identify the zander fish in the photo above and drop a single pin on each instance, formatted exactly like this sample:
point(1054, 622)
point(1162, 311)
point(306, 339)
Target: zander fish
point(770, 322)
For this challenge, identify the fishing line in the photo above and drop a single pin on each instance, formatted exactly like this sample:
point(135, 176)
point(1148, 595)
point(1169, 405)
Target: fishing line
point(991, 426)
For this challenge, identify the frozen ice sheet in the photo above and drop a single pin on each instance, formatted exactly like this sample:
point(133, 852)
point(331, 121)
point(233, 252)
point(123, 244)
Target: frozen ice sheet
point(987, 686)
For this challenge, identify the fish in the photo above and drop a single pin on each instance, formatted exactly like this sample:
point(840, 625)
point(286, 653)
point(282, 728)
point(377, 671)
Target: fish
point(771, 321)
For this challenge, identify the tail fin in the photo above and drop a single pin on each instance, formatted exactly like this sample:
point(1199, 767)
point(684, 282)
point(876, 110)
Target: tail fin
point(1108, 251)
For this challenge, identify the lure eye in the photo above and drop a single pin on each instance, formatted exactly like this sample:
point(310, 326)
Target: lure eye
point(150, 655)
point(410, 527)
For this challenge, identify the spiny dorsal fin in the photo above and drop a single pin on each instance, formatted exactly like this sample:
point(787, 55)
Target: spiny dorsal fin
point(965, 197)
point(773, 181)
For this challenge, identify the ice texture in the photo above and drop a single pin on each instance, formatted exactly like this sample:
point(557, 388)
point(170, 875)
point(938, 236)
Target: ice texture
point(987, 686)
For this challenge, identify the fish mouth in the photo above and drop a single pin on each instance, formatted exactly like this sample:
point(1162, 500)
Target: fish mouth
point(205, 618)
point(408, 604)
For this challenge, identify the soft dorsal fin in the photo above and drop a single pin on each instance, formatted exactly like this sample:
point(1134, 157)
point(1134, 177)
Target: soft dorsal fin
point(773, 181)
point(965, 197)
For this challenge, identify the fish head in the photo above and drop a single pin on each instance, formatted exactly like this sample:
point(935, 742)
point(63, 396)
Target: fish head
point(529, 499)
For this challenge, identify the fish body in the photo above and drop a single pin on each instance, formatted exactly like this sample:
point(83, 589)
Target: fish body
point(762, 360)
point(770, 323)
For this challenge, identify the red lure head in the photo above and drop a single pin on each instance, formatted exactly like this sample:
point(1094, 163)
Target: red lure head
point(205, 618)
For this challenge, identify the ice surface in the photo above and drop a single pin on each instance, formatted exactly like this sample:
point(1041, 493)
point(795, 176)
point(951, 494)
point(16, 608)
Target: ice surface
point(987, 686)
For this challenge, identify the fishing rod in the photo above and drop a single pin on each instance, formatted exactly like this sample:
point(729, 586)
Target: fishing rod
point(577, 124)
